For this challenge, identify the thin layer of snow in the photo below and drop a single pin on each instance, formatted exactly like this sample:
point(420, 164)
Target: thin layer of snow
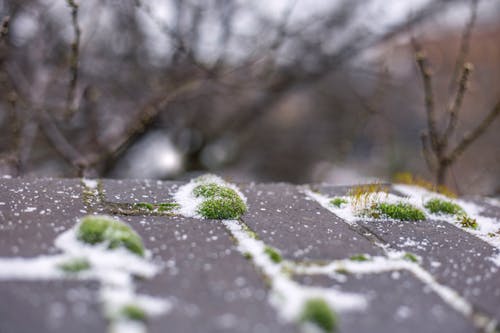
point(90, 183)
point(114, 269)
point(287, 296)
point(189, 203)
point(393, 262)
point(486, 225)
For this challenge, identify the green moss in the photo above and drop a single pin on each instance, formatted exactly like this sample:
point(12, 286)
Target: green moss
point(95, 229)
point(399, 211)
point(467, 222)
point(248, 256)
point(167, 206)
point(410, 257)
point(133, 312)
point(161, 207)
point(75, 265)
point(319, 313)
point(220, 202)
point(338, 202)
point(342, 270)
point(359, 257)
point(439, 206)
point(144, 205)
point(273, 254)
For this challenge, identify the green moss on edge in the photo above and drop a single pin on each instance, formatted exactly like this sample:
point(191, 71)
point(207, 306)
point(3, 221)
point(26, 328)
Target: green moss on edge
point(273, 254)
point(95, 229)
point(467, 222)
point(134, 312)
point(319, 313)
point(410, 257)
point(398, 211)
point(220, 202)
point(75, 265)
point(439, 206)
point(338, 202)
point(359, 257)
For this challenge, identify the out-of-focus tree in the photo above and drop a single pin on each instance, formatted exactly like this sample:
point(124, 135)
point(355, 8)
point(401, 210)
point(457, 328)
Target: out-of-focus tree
point(83, 83)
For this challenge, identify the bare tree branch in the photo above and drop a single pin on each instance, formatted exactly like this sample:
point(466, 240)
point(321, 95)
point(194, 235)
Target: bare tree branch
point(464, 43)
point(474, 134)
point(456, 105)
point(73, 59)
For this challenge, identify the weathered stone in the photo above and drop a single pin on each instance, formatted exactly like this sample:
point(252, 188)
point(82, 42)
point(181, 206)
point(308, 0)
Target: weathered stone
point(398, 302)
point(285, 218)
point(50, 306)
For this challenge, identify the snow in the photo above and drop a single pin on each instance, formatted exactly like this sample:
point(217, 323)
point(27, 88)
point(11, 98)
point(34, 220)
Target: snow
point(114, 269)
point(189, 203)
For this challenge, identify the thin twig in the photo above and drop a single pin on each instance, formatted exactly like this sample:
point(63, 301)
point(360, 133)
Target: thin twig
point(473, 135)
point(456, 105)
point(426, 74)
point(426, 151)
point(4, 28)
point(464, 43)
point(74, 58)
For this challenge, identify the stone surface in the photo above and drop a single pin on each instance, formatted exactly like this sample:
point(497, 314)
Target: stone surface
point(284, 217)
point(398, 303)
point(213, 288)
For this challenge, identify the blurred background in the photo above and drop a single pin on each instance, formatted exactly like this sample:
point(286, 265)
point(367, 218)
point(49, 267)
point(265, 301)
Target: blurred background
point(278, 90)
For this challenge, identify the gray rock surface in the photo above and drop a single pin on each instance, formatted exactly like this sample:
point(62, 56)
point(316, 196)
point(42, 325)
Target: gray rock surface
point(214, 288)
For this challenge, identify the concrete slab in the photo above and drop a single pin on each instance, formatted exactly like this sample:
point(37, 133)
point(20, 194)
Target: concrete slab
point(300, 228)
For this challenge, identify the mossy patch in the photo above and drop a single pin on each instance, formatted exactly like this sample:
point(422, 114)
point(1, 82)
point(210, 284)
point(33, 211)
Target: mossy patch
point(363, 196)
point(411, 257)
point(316, 311)
point(338, 202)
point(133, 312)
point(161, 207)
point(439, 206)
point(359, 257)
point(221, 202)
point(273, 254)
point(397, 211)
point(95, 229)
point(467, 222)
point(75, 265)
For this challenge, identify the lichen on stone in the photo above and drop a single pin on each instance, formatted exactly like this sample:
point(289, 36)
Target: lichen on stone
point(97, 229)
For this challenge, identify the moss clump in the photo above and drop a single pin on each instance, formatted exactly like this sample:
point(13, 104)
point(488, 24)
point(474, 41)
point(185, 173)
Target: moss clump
point(467, 222)
point(398, 211)
point(319, 313)
point(338, 202)
point(410, 257)
point(439, 206)
point(167, 206)
point(75, 265)
point(359, 257)
point(273, 254)
point(220, 202)
point(95, 229)
point(161, 207)
point(133, 312)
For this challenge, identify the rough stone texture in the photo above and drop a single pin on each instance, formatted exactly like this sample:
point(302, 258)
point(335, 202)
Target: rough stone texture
point(455, 257)
point(398, 303)
point(284, 217)
point(34, 212)
point(214, 288)
point(49, 306)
